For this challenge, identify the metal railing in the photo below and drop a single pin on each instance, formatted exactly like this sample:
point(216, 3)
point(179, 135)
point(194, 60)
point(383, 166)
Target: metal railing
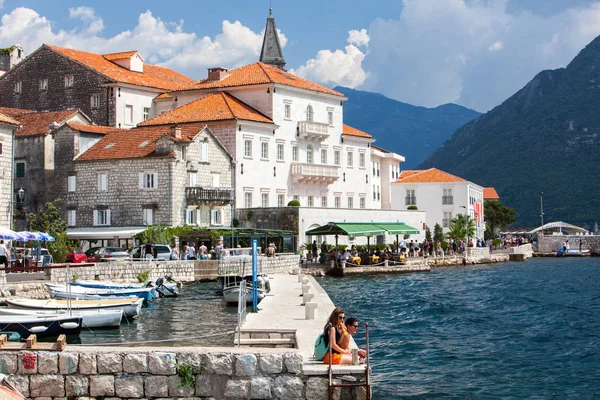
point(366, 383)
point(241, 310)
point(195, 195)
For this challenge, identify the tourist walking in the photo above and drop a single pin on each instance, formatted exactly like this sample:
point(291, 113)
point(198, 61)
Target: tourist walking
point(336, 334)
point(191, 251)
point(148, 251)
point(202, 251)
point(3, 254)
point(174, 253)
point(314, 249)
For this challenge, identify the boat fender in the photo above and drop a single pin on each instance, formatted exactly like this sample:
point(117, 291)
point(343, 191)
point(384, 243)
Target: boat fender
point(69, 325)
point(38, 329)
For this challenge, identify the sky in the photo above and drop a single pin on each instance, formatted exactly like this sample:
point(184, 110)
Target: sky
point(475, 53)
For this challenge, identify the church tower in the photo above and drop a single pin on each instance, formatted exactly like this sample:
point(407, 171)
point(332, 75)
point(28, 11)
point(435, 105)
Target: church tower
point(271, 52)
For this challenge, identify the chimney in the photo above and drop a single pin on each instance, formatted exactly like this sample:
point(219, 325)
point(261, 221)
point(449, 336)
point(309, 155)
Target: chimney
point(216, 74)
point(11, 56)
point(176, 132)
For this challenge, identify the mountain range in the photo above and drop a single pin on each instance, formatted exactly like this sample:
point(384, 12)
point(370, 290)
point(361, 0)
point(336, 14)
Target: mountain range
point(411, 131)
point(544, 138)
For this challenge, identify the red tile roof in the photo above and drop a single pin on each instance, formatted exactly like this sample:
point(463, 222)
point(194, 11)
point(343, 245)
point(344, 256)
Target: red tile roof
point(15, 112)
point(260, 73)
point(5, 119)
point(103, 130)
point(218, 106)
point(119, 56)
point(163, 96)
point(490, 194)
point(427, 176)
point(153, 75)
point(348, 130)
point(136, 143)
point(38, 123)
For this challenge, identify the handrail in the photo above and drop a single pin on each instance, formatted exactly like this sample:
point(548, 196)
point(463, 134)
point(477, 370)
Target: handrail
point(241, 310)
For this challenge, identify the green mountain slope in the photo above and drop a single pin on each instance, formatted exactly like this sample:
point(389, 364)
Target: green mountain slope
point(545, 138)
point(414, 132)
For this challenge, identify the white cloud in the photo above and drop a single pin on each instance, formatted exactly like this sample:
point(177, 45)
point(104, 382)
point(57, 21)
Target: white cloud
point(157, 41)
point(1, 3)
point(340, 67)
point(473, 52)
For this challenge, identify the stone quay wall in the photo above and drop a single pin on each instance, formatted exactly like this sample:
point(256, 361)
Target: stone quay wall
point(130, 373)
point(550, 243)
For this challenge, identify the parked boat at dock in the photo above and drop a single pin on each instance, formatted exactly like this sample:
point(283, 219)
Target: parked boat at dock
point(60, 291)
point(171, 286)
point(91, 318)
point(42, 326)
point(231, 287)
point(130, 306)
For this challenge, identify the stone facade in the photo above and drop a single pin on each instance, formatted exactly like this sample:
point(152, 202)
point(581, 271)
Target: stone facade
point(550, 243)
point(6, 173)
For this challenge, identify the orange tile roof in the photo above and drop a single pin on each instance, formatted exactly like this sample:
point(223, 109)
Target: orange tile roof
point(38, 123)
point(164, 96)
point(15, 112)
point(427, 176)
point(348, 130)
point(218, 106)
point(135, 143)
point(119, 56)
point(153, 75)
point(259, 73)
point(5, 119)
point(490, 194)
point(103, 130)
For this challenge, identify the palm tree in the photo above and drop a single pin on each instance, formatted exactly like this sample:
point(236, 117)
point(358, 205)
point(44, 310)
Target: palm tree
point(461, 228)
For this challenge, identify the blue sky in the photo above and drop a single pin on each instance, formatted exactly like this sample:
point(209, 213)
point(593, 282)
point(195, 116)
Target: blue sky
point(425, 52)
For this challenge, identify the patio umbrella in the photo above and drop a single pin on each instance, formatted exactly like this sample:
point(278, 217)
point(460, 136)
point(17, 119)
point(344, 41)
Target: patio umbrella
point(7, 234)
point(45, 237)
point(27, 236)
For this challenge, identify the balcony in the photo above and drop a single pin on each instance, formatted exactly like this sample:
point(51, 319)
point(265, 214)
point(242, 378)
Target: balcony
point(200, 195)
point(447, 199)
point(316, 174)
point(313, 130)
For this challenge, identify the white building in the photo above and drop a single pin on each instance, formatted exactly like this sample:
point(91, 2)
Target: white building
point(7, 131)
point(441, 195)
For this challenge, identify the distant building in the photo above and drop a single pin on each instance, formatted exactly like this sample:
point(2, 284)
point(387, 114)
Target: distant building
point(8, 126)
point(490, 194)
point(11, 56)
point(442, 195)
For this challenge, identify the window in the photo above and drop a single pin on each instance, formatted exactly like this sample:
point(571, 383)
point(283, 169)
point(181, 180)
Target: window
point(247, 148)
point(264, 151)
point(20, 169)
point(324, 201)
point(148, 216)
point(410, 199)
point(350, 159)
point(72, 183)
point(71, 217)
point(148, 180)
point(204, 152)
point(101, 217)
point(330, 117)
point(309, 113)
point(43, 84)
point(338, 202)
point(309, 154)
point(95, 101)
point(311, 201)
point(216, 180)
point(336, 157)
point(294, 153)
point(102, 182)
point(323, 156)
point(361, 160)
point(288, 111)
point(374, 192)
point(18, 87)
point(128, 114)
point(248, 200)
point(0, 147)
point(279, 151)
point(216, 217)
point(350, 202)
point(280, 200)
point(447, 198)
point(362, 203)
point(374, 169)
point(378, 193)
point(146, 113)
point(447, 219)
point(264, 199)
point(192, 179)
point(69, 81)
point(192, 216)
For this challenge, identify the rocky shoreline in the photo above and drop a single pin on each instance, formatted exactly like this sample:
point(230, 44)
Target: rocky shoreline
point(29, 290)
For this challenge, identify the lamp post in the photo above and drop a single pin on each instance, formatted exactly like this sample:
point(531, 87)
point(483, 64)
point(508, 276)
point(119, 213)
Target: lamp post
point(466, 230)
point(542, 211)
point(233, 163)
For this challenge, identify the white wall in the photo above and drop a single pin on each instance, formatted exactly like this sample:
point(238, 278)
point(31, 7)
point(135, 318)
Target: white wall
point(6, 173)
point(136, 97)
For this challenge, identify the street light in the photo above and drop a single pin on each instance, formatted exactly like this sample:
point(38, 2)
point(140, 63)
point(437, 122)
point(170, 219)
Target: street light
point(542, 211)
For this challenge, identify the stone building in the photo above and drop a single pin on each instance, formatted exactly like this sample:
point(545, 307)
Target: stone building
point(164, 175)
point(8, 126)
point(112, 89)
point(9, 57)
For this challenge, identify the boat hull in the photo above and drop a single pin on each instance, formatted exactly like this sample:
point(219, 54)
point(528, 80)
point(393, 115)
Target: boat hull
point(130, 308)
point(232, 294)
point(76, 292)
point(91, 318)
point(41, 326)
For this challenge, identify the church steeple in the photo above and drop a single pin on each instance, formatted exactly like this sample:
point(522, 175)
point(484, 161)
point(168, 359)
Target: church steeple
point(271, 52)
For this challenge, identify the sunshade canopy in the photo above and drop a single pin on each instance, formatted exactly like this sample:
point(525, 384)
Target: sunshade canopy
point(355, 229)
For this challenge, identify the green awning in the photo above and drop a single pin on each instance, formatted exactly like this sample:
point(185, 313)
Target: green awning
point(356, 229)
point(397, 228)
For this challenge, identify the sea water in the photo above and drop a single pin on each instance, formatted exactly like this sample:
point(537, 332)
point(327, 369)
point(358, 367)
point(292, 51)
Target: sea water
point(502, 331)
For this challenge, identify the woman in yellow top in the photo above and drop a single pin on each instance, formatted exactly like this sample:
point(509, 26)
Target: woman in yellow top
point(339, 338)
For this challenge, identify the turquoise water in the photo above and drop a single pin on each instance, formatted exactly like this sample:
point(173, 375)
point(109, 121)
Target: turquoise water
point(504, 331)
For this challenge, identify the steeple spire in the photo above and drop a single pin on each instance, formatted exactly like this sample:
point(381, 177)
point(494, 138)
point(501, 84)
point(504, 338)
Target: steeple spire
point(271, 52)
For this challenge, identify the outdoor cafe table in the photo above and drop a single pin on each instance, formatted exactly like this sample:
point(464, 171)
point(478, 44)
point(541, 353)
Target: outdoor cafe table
point(355, 260)
point(374, 259)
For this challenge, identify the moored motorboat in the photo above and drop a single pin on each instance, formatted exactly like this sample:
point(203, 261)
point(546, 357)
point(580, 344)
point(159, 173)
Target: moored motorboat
point(91, 318)
point(164, 287)
point(130, 306)
point(60, 291)
point(232, 283)
point(49, 326)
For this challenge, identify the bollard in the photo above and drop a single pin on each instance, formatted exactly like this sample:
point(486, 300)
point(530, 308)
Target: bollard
point(307, 297)
point(305, 281)
point(300, 277)
point(310, 311)
point(305, 289)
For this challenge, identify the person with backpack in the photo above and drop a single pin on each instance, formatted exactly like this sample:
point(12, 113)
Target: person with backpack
point(337, 335)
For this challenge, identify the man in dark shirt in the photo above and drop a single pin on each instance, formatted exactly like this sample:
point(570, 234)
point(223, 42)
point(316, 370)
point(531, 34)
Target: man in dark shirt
point(148, 251)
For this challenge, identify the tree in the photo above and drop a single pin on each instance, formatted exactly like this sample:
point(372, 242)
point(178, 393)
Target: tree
point(438, 234)
point(461, 228)
point(428, 234)
point(49, 219)
point(497, 216)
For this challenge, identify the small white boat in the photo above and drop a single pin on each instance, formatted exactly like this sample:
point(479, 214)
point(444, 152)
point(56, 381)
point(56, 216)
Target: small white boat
point(42, 326)
point(169, 287)
point(231, 287)
point(91, 318)
point(231, 294)
point(130, 306)
point(61, 291)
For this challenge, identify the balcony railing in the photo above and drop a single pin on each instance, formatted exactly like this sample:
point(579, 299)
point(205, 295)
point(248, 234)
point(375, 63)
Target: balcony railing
point(313, 130)
point(200, 195)
point(447, 199)
point(410, 201)
point(311, 173)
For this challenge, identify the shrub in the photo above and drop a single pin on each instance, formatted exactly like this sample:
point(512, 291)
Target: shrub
point(413, 208)
point(294, 203)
